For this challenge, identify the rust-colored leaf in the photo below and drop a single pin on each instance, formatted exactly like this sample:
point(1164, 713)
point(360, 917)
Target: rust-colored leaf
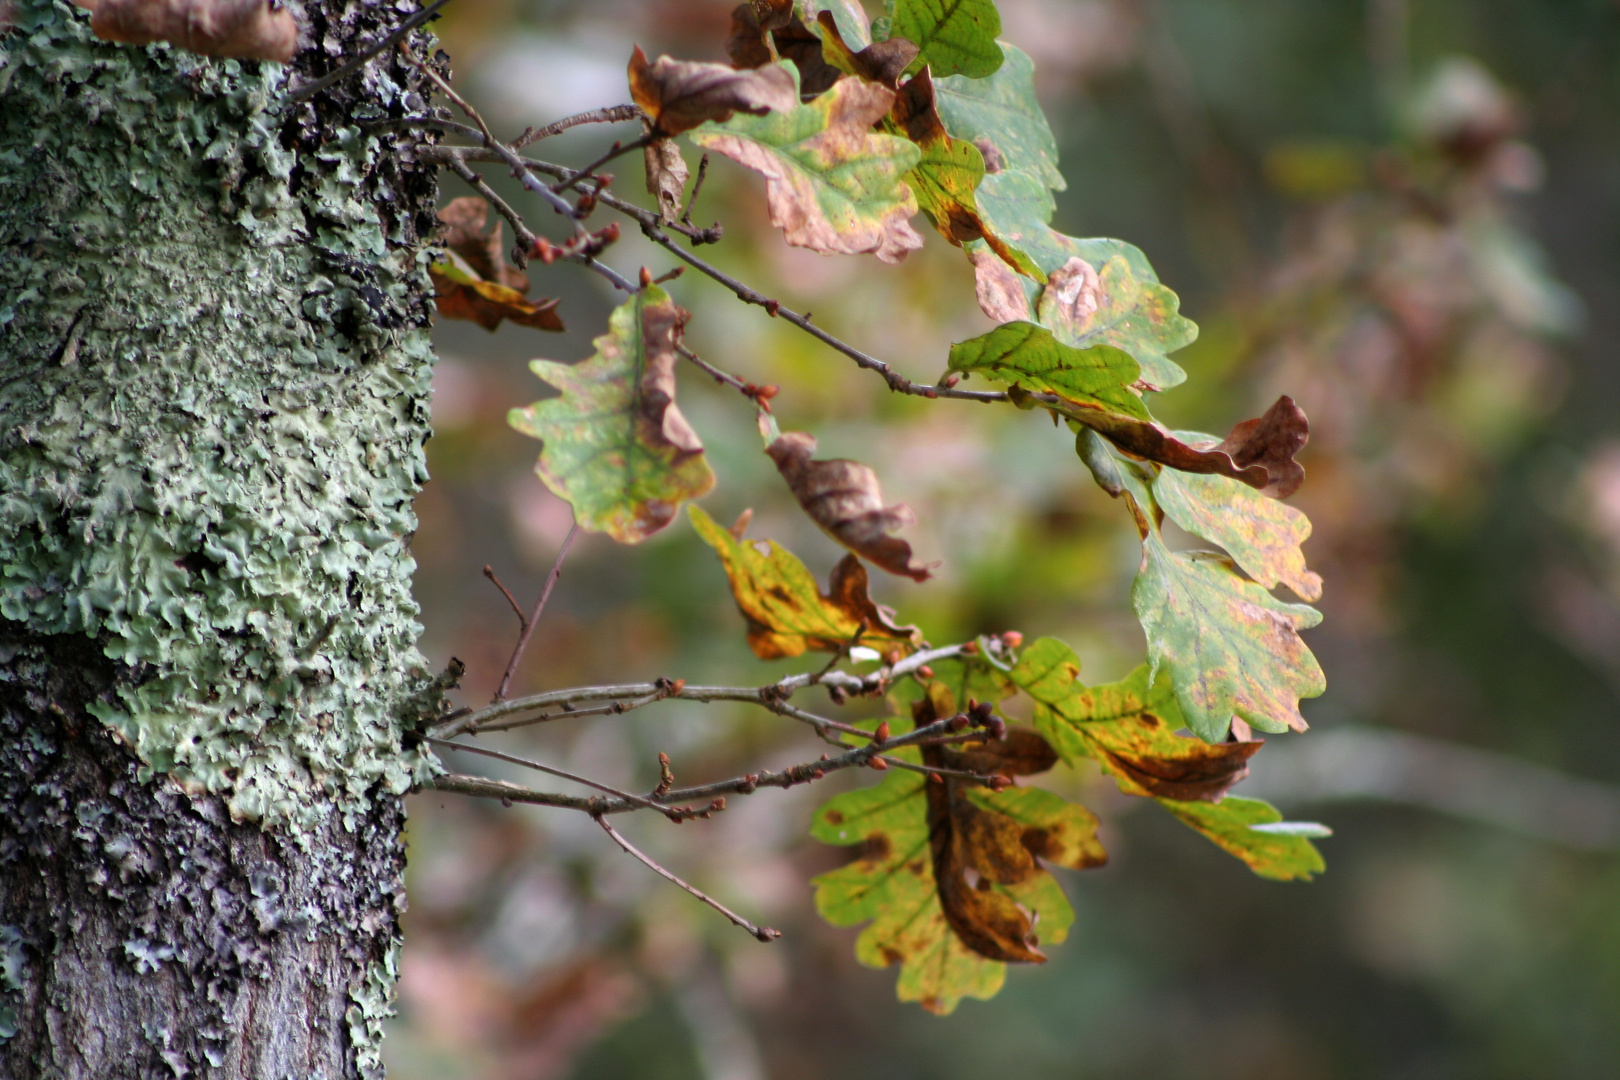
point(475, 282)
point(678, 95)
point(786, 612)
point(243, 29)
point(750, 21)
point(881, 62)
point(844, 499)
point(463, 222)
point(1259, 452)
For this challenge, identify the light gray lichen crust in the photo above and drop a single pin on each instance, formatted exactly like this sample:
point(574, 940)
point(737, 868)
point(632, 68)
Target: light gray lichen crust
point(212, 409)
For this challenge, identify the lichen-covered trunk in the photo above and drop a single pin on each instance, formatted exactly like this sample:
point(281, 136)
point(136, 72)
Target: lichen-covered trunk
point(213, 396)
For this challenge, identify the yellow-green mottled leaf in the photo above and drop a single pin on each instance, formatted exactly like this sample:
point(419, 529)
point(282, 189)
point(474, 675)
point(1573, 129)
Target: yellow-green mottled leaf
point(832, 184)
point(1284, 855)
point(1229, 647)
point(786, 611)
point(1022, 353)
point(615, 443)
point(1086, 305)
point(964, 678)
point(1262, 535)
point(957, 37)
point(1128, 727)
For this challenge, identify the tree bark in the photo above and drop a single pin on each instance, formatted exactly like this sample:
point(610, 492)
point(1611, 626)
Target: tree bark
point(214, 375)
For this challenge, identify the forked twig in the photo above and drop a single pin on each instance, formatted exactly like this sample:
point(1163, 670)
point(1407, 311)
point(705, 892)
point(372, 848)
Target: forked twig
point(540, 606)
point(763, 933)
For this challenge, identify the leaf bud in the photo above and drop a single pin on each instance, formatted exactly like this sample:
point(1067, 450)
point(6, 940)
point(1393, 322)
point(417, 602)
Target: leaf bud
point(881, 735)
point(1012, 639)
point(878, 763)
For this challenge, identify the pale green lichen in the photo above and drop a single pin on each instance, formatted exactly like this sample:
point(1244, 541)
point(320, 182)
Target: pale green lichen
point(373, 1004)
point(212, 410)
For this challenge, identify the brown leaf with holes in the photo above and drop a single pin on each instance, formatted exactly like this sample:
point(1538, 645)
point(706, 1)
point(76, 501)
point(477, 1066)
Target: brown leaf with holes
point(475, 282)
point(242, 29)
point(678, 95)
point(666, 176)
point(844, 499)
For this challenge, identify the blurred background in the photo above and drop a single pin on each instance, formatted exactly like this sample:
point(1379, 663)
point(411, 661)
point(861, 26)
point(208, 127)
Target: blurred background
point(1405, 213)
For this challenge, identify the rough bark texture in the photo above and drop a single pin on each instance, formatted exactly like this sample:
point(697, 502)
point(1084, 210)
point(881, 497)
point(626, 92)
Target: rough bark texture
point(214, 375)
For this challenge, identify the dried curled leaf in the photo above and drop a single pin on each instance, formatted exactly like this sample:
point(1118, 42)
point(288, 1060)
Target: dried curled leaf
point(678, 95)
point(1085, 306)
point(616, 445)
point(1000, 292)
point(1262, 535)
point(844, 499)
point(476, 283)
point(666, 176)
point(243, 29)
point(1128, 727)
point(786, 612)
point(883, 62)
point(957, 37)
point(950, 873)
point(832, 184)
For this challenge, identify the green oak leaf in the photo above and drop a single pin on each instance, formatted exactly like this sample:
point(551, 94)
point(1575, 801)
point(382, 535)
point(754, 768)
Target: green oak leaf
point(1240, 827)
point(1021, 353)
point(1128, 727)
point(892, 884)
point(1086, 305)
point(832, 184)
point(615, 443)
point(1002, 111)
point(957, 37)
point(1229, 647)
point(847, 16)
point(1262, 535)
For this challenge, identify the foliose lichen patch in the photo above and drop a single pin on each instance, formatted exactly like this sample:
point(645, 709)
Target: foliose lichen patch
point(214, 372)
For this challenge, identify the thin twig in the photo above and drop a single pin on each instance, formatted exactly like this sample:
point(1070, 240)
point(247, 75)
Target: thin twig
point(697, 186)
point(495, 146)
point(613, 114)
point(805, 773)
point(838, 657)
point(763, 933)
point(523, 620)
point(713, 372)
point(540, 605)
point(520, 230)
point(612, 152)
point(398, 34)
point(562, 774)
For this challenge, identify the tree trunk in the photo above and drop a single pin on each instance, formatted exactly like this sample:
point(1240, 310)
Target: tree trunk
point(214, 373)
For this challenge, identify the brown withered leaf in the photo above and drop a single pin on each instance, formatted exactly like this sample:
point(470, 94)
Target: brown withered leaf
point(975, 846)
point(475, 282)
point(786, 611)
point(881, 62)
point(798, 43)
point(1000, 292)
point(678, 95)
point(844, 499)
point(242, 29)
point(1259, 452)
point(750, 21)
point(666, 176)
point(464, 220)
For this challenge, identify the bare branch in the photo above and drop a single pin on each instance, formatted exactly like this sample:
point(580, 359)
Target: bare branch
point(613, 151)
point(697, 186)
point(540, 606)
point(559, 773)
point(763, 933)
point(520, 230)
point(523, 620)
point(613, 114)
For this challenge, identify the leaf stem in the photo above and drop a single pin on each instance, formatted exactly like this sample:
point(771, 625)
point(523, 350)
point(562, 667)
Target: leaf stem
point(540, 606)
